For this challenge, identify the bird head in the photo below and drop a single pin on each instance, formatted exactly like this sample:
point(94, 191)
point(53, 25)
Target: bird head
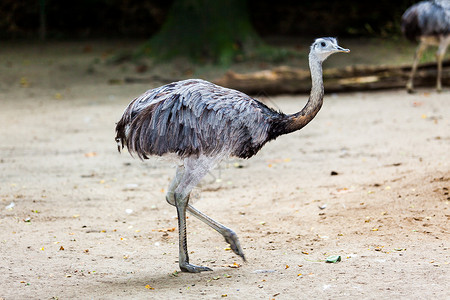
point(324, 47)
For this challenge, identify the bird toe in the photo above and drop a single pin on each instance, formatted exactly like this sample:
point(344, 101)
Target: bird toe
point(193, 268)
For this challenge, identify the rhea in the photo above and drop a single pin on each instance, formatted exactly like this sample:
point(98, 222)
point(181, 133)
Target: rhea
point(428, 21)
point(202, 123)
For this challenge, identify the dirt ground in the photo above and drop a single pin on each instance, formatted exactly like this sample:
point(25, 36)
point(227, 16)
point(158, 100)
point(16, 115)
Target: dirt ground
point(368, 179)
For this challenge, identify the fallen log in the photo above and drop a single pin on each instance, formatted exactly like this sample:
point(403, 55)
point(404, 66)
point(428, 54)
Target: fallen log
point(286, 80)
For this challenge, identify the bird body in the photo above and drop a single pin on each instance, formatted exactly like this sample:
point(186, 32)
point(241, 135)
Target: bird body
point(429, 22)
point(426, 18)
point(193, 117)
point(202, 123)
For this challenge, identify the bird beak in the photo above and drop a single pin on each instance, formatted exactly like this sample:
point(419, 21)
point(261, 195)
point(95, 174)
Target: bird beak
point(340, 49)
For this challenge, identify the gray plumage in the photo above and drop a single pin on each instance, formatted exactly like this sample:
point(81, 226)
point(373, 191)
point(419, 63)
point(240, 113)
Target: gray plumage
point(428, 22)
point(193, 117)
point(202, 123)
point(426, 18)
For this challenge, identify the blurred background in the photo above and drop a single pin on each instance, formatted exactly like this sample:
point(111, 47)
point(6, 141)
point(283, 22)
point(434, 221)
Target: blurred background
point(167, 40)
point(52, 19)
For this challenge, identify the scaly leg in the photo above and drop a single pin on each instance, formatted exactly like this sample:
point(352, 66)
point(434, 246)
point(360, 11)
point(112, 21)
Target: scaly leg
point(183, 183)
point(170, 198)
point(180, 201)
point(183, 261)
point(417, 56)
point(439, 57)
point(229, 235)
point(187, 177)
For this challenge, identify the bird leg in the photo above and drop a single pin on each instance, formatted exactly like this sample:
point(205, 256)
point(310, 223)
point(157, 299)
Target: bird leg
point(170, 198)
point(181, 203)
point(417, 56)
point(178, 195)
point(439, 57)
point(229, 235)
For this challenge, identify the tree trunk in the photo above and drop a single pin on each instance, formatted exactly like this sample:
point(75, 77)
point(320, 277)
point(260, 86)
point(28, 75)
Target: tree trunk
point(204, 30)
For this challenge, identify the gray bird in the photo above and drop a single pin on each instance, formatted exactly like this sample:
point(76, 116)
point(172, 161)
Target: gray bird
point(202, 123)
point(428, 21)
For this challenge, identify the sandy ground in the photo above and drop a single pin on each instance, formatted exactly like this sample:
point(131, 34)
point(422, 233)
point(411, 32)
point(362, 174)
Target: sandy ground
point(80, 221)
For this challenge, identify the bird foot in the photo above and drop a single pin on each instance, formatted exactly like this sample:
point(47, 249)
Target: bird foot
point(186, 267)
point(233, 240)
point(410, 91)
point(410, 88)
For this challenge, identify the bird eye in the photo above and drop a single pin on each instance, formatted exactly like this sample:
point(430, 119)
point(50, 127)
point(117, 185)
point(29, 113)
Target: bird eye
point(322, 44)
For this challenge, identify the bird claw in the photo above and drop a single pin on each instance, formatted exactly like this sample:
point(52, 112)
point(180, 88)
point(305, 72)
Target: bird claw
point(410, 87)
point(233, 240)
point(193, 268)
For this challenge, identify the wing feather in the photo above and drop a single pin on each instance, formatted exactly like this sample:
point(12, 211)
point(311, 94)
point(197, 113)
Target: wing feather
point(194, 117)
point(426, 18)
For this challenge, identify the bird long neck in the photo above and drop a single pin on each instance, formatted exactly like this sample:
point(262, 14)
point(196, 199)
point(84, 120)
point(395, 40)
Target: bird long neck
point(302, 118)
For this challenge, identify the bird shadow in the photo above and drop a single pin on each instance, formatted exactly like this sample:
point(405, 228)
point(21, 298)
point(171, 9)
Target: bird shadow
point(164, 281)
